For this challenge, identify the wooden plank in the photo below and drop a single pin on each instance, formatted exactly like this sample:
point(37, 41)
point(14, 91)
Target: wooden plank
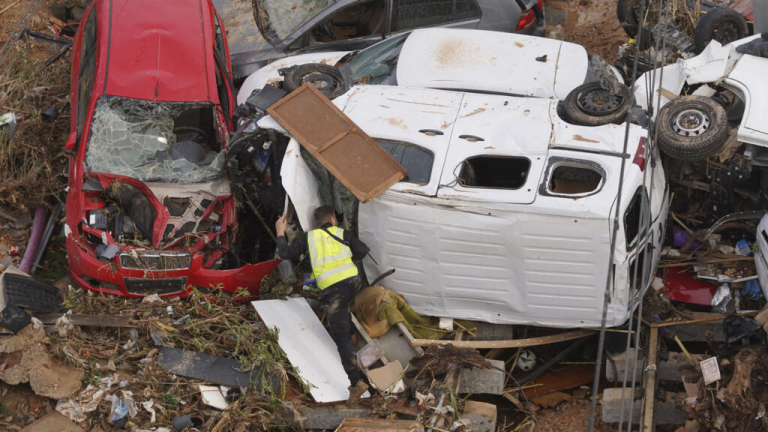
point(87, 320)
point(404, 331)
point(559, 380)
point(701, 320)
point(348, 153)
point(380, 425)
point(516, 343)
point(650, 382)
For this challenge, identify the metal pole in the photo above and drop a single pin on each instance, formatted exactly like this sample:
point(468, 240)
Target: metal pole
point(609, 277)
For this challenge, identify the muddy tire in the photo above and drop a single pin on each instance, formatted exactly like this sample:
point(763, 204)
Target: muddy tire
point(721, 24)
point(692, 128)
point(628, 12)
point(591, 105)
point(325, 78)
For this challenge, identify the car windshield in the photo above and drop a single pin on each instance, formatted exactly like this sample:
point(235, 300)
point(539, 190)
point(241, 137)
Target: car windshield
point(154, 141)
point(284, 17)
point(377, 63)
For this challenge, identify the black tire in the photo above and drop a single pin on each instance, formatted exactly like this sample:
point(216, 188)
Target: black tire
point(591, 105)
point(325, 78)
point(25, 292)
point(628, 12)
point(692, 128)
point(721, 24)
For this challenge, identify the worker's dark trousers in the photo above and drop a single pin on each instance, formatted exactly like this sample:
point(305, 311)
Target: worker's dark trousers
point(336, 300)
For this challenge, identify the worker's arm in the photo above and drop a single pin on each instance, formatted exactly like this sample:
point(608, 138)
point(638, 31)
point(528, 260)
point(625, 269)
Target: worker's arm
point(359, 249)
point(293, 250)
point(285, 250)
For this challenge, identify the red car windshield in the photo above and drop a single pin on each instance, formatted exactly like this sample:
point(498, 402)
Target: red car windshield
point(154, 141)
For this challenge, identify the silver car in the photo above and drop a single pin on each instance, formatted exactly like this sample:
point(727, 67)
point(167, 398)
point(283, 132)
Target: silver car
point(260, 31)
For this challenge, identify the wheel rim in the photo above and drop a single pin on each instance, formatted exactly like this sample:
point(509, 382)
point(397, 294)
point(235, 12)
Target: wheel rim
point(324, 83)
point(599, 102)
point(726, 32)
point(691, 122)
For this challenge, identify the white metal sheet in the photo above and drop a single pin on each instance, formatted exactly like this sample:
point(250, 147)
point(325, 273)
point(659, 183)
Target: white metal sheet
point(308, 346)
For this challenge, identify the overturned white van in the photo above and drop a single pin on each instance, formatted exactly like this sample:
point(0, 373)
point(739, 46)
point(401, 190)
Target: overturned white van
point(507, 210)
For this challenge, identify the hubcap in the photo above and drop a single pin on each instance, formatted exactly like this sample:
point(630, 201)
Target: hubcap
point(691, 122)
point(599, 102)
point(321, 81)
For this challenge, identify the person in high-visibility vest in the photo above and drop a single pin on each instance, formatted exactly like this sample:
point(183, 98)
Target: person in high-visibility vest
point(331, 251)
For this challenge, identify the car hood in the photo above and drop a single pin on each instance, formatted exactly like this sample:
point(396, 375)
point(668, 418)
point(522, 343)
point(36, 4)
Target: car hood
point(269, 73)
point(494, 62)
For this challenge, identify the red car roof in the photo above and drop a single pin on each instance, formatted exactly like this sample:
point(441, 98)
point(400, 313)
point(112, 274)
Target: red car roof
point(156, 49)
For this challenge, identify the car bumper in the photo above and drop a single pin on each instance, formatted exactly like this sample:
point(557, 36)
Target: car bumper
point(111, 278)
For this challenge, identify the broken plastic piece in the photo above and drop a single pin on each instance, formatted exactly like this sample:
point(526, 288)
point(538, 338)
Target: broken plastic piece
point(265, 98)
point(14, 318)
point(683, 287)
point(370, 353)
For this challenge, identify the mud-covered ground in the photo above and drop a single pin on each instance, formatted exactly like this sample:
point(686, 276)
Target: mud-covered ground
point(597, 28)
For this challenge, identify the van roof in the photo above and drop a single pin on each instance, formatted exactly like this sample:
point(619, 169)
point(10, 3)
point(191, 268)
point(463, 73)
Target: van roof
point(507, 63)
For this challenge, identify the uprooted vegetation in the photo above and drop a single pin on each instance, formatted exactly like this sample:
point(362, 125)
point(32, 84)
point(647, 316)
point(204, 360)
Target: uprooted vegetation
point(213, 324)
point(32, 164)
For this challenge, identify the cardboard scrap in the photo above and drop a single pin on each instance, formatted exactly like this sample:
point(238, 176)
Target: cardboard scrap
point(53, 422)
point(386, 376)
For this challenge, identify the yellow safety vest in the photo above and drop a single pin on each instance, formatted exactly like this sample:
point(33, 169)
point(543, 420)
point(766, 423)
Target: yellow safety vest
point(331, 260)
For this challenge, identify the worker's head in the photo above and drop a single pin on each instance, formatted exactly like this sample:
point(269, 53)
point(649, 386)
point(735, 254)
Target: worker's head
point(325, 214)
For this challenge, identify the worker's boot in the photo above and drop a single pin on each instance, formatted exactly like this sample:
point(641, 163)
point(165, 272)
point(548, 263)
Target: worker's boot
point(356, 391)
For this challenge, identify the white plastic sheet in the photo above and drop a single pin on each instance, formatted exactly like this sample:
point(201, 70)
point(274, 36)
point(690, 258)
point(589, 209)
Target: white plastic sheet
point(308, 346)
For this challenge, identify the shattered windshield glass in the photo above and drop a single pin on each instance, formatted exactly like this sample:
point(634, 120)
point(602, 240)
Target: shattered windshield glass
point(377, 63)
point(286, 16)
point(154, 141)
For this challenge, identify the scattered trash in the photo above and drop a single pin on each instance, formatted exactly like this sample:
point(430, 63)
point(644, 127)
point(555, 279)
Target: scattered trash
point(526, 361)
point(710, 370)
point(119, 412)
point(188, 422)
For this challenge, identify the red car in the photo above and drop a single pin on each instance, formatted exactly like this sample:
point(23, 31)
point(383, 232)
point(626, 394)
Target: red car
point(152, 100)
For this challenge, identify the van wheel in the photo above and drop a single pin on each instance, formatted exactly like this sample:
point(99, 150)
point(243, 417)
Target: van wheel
point(692, 128)
point(628, 12)
point(591, 105)
point(721, 24)
point(325, 78)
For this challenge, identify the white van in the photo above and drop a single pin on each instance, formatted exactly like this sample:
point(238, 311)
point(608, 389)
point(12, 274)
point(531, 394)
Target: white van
point(506, 213)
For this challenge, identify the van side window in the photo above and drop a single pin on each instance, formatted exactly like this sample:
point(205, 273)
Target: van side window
point(632, 216)
point(87, 70)
point(573, 178)
point(499, 172)
point(415, 159)
point(411, 14)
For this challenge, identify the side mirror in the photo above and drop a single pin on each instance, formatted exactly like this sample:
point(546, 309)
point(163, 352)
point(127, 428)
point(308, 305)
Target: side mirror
point(69, 148)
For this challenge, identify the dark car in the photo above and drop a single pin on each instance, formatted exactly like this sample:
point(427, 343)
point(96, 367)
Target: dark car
point(265, 30)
